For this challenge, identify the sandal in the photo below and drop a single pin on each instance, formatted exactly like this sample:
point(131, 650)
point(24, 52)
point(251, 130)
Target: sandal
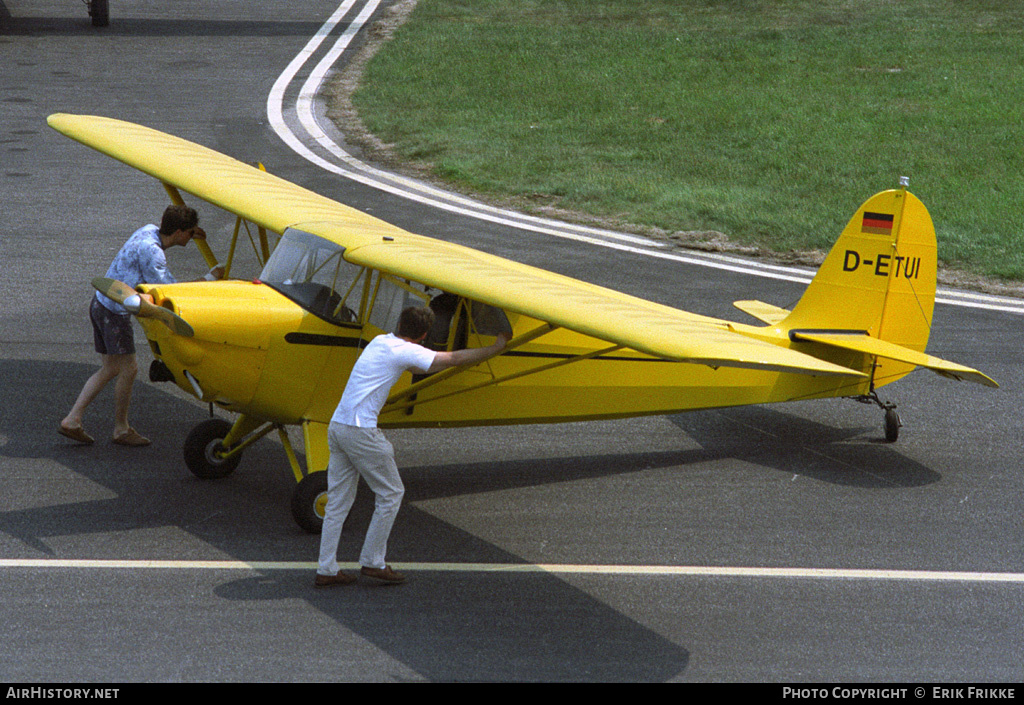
point(131, 437)
point(76, 434)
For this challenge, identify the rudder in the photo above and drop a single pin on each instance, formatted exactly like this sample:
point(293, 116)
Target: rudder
point(879, 278)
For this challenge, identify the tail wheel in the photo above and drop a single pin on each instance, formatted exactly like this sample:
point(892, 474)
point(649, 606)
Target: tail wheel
point(204, 448)
point(892, 419)
point(309, 502)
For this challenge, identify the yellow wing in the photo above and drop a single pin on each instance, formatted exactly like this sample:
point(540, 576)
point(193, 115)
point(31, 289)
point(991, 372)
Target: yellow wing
point(278, 204)
point(216, 178)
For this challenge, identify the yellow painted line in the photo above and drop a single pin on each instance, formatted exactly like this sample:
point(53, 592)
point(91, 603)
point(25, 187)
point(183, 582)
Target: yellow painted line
point(551, 568)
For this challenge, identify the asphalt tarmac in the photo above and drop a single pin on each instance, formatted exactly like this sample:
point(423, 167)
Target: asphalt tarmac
point(784, 544)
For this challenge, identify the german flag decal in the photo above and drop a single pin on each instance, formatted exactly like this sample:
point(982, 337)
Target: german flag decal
point(877, 223)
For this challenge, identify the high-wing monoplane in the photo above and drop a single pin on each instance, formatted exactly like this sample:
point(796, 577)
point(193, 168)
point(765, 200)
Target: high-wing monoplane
point(275, 351)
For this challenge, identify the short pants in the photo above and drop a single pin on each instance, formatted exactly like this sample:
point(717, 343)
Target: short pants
point(111, 332)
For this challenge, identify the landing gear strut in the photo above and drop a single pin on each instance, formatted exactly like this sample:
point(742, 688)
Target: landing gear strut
point(892, 418)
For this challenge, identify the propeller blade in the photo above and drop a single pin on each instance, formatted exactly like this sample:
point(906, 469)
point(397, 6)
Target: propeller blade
point(113, 289)
point(169, 318)
point(130, 299)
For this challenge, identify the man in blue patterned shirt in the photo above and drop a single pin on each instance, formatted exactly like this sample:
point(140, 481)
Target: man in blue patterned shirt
point(140, 260)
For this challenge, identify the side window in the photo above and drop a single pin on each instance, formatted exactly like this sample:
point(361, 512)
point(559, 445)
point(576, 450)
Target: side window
point(348, 292)
point(389, 297)
point(456, 318)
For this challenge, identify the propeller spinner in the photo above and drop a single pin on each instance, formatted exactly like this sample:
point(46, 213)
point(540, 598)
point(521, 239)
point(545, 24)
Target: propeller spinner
point(131, 300)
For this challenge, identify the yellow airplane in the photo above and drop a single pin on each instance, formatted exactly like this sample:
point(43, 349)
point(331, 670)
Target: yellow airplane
point(277, 350)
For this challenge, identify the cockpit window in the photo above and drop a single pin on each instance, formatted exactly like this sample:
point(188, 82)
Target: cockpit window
point(456, 318)
point(311, 271)
point(389, 297)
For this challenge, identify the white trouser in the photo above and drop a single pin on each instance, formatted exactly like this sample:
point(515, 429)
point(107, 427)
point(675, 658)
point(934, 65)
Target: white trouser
point(359, 452)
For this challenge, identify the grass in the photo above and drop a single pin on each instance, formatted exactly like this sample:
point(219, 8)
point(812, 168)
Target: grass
point(769, 121)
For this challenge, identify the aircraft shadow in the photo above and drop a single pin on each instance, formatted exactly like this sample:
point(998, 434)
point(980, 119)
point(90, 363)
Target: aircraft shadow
point(760, 436)
point(464, 626)
point(771, 438)
point(489, 627)
point(443, 626)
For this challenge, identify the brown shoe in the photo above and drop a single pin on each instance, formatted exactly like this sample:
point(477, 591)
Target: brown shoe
point(332, 580)
point(131, 437)
point(384, 574)
point(76, 434)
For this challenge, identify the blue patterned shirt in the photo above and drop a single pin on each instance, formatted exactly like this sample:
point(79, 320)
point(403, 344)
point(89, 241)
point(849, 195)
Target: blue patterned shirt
point(140, 261)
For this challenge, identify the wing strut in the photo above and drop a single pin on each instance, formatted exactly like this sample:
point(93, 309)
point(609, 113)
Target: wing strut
point(451, 372)
point(506, 378)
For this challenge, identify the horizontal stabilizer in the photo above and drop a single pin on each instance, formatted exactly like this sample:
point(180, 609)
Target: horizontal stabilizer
point(860, 342)
point(761, 311)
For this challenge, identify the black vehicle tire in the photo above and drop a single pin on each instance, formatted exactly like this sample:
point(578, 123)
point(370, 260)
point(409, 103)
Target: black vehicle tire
point(309, 500)
point(99, 10)
point(892, 425)
point(201, 447)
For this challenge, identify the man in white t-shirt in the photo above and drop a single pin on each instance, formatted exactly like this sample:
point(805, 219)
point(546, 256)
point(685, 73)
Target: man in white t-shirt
point(359, 448)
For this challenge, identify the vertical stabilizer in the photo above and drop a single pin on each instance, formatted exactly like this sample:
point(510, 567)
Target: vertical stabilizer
point(878, 278)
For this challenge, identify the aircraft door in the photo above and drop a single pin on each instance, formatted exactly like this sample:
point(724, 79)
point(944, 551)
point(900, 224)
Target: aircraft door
point(308, 364)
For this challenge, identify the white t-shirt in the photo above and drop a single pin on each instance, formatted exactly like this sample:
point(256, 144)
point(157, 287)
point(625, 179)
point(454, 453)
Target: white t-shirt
point(376, 371)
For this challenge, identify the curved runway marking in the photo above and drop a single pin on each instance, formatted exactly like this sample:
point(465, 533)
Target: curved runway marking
point(549, 568)
point(349, 167)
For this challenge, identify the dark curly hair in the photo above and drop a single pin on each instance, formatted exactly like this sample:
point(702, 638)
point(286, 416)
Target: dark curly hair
point(178, 218)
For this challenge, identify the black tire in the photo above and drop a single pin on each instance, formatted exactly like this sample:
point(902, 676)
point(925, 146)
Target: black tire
point(309, 500)
point(201, 447)
point(892, 425)
point(99, 10)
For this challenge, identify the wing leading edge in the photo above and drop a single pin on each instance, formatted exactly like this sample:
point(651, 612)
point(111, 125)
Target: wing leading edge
point(278, 204)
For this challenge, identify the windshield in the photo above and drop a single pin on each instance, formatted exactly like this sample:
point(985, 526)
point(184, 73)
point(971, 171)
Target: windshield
point(310, 271)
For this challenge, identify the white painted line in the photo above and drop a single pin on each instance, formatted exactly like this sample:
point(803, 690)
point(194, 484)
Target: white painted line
point(275, 100)
point(550, 568)
point(391, 183)
point(1012, 305)
point(358, 171)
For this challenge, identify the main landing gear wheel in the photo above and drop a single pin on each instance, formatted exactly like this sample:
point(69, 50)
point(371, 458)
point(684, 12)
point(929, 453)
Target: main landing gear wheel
point(204, 447)
point(309, 502)
point(99, 11)
point(892, 424)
